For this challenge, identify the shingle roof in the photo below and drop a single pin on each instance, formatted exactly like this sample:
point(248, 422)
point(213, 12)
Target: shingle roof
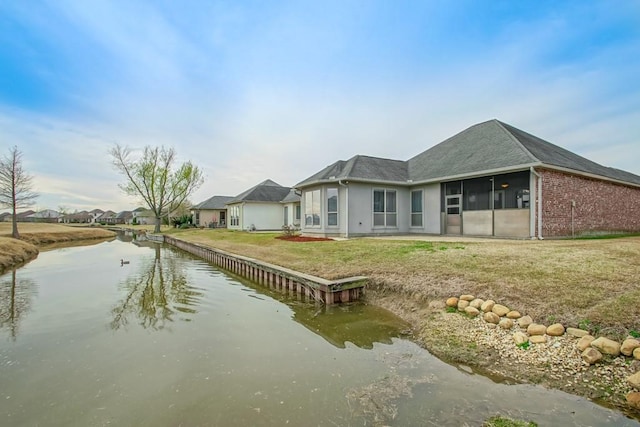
point(215, 202)
point(362, 168)
point(482, 148)
point(266, 191)
point(292, 197)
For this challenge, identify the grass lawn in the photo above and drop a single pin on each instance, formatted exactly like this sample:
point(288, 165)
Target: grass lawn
point(582, 283)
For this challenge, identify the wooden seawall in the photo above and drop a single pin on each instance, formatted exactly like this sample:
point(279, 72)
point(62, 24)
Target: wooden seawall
point(304, 286)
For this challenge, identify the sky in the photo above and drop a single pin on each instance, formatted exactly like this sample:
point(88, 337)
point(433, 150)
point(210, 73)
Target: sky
point(256, 90)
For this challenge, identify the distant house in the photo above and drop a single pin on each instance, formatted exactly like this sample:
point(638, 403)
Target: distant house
point(212, 212)
point(82, 217)
point(22, 216)
point(258, 208)
point(122, 217)
point(46, 215)
point(491, 179)
point(106, 217)
point(5, 217)
point(143, 216)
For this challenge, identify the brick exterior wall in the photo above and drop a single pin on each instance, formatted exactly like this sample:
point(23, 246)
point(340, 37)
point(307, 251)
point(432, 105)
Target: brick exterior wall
point(600, 206)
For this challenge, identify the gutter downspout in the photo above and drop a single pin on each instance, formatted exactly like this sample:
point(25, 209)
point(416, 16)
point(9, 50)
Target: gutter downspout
point(346, 234)
point(539, 191)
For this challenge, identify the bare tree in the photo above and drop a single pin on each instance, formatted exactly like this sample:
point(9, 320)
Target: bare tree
point(153, 178)
point(16, 190)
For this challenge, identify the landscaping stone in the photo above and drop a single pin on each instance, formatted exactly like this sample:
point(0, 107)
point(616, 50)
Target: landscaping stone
point(520, 338)
point(536, 329)
point(636, 354)
point(487, 306)
point(467, 297)
point(591, 356)
point(555, 330)
point(634, 380)
point(491, 317)
point(513, 314)
point(585, 342)
point(452, 302)
point(462, 304)
point(628, 346)
point(607, 346)
point(505, 323)
point(633, 399)
point(525, 321)
point(472, 311)
point(500, 309)
point(476, 303)
point(578, 333)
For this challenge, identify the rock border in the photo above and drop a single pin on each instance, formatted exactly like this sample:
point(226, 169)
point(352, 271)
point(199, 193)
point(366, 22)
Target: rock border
point(593, 349)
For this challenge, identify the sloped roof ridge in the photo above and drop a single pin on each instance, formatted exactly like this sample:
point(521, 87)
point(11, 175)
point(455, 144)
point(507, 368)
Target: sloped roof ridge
point(504, 126)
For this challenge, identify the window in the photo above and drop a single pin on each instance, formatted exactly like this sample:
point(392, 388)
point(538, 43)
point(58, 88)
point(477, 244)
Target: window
point(384, 208)
point(332, 207)
point(416, 208)
point(235, 216)
point(312, 208)
point(297, 219)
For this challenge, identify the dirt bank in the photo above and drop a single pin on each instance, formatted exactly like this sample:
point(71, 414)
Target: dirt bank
point(472, 343)
point(33, 237)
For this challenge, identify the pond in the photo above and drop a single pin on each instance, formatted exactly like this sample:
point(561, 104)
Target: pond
point(170, 340)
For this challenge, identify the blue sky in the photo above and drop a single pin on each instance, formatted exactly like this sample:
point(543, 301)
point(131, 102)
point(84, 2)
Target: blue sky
point(255, 90)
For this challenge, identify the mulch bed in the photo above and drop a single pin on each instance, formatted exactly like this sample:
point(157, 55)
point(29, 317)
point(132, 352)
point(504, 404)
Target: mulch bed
point(303, 239)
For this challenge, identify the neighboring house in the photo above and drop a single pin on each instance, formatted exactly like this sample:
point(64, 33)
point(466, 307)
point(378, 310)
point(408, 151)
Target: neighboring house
point(291, 209)
point(258, 208)
point(212, 212)
point(95, 214)
point(82, 217)
point(106, 217)
point(122, 217)
point(46, 215)
point(22, 216)
point(5, 217)
point(143, 216)
point(489, 180)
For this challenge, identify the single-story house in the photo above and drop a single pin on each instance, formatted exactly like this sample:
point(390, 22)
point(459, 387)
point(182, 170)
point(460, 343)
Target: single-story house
point(291, 209)
point(106, 217)
point(212, 212)
point(45, 215)
point(258, 208)
point(143, 216)
point(491, 179)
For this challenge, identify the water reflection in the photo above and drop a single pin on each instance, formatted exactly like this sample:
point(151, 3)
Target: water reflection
point(359, 324)
point(15, 301)
point(155, 293)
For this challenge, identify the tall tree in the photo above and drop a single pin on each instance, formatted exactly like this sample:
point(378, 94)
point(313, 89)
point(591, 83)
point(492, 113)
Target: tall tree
point(16, 186)
point(153, 177)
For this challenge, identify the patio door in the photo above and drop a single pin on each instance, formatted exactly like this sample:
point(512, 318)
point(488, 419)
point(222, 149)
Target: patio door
point(286, 215)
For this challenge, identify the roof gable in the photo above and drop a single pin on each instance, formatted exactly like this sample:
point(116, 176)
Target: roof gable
point(215, 202)
point(362, 168)
point(266, 191)
point(482, 147)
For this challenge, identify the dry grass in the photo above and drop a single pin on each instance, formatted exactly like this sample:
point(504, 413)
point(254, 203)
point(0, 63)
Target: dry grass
point(33, 235)
point(41, 233)
point(575, 282)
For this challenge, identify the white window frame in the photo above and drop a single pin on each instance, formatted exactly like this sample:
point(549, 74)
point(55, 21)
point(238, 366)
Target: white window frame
point(312, 209)
point(389, 217)
point(332, 214)
point(417, 214)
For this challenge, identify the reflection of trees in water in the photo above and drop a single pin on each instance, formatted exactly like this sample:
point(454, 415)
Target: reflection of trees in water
point(156, 294)
point(15, 301)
